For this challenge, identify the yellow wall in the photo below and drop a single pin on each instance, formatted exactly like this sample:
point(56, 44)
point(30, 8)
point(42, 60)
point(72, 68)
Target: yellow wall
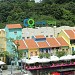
point(33, 50)
point(62, 34)
point(2, 40)
point(67, 39)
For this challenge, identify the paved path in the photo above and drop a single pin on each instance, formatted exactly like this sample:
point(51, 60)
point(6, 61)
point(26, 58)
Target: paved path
point(6, 72)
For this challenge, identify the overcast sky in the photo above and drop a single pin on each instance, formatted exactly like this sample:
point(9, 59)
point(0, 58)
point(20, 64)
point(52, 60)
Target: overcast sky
point(37, 0)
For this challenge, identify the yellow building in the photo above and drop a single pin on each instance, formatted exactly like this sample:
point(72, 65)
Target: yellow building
point(69, 36)
point(32, 47)
point(2, 41)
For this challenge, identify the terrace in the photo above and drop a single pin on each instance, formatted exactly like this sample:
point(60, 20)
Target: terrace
point(49, 63)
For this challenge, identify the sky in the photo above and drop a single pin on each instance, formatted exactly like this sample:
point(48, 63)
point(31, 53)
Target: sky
point(37, 0)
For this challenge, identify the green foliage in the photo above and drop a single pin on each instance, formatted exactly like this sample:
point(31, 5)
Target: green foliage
point(73, 53)
point(41, 55)
point(20, 54)
point(60, 53)
point(46, 55)
point(15, 11)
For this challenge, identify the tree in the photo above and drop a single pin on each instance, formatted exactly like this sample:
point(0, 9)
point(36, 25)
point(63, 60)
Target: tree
point(71, 7)
point(56, 11)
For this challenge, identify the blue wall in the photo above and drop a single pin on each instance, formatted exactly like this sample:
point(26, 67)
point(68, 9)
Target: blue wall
point(10, 34)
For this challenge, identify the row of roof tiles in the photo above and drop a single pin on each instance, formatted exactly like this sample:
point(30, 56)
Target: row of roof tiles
point(70, 33)
point(50, 42)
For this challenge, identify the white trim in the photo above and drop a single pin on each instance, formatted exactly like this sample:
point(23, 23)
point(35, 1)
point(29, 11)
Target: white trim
point(14, 45)
point(37, 43)
point(25, 43)
point(64, 39)
point(57, 41)
point(66, 33)
point(47, 42)
point(73, 31)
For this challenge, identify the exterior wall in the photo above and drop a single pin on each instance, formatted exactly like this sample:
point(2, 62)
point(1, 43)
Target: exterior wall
point(2, 42)
point(15, 35)
point(10, 34)
point(43, 50)
point(33, 52)
point(66, 49)
point(7, 32)
point(67, 39)
point(62, 34)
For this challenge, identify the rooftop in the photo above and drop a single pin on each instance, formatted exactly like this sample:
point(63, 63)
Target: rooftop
point(31, 43)
point(12, 26)
point(53, 42)
point(21, 43)
point(43, 44)
point(39, 36)
point(70, 33)
point(62, 41)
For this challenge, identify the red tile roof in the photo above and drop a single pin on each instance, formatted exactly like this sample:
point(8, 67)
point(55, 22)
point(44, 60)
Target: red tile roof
point(53, 42)
point(39, 36)
point(43, 45)
point(31, 43)
point(62, 41)
point(70, 33)
point(12, 26)
point(21, 43)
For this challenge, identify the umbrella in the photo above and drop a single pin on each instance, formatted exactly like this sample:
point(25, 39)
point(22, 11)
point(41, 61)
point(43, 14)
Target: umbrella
point(44, 60)
point(73, 57)
point(30, 61)
point(54, 58)
point(2, 63)
point(68, 57)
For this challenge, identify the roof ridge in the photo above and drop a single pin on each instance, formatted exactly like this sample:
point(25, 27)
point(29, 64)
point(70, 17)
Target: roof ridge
point(73, 31)
point(47, 43)
point(65, 40)
point(37, 43)
point(25, 43)
point(66, 34)
point(57, 41)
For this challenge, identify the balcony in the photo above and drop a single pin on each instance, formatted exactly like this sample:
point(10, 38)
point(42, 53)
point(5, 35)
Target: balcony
point(49, 66)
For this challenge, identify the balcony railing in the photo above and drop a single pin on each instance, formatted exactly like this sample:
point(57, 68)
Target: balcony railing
point(50, 66)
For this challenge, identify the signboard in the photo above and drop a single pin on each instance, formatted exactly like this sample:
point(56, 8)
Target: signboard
point(30, 23)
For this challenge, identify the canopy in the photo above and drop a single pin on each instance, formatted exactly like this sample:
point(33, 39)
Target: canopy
point(54, 58)
point(68, 57)
point(73, 57)
point(44, 60)
point(2, 63)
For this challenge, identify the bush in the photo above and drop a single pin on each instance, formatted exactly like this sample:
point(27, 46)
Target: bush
point(47, 55)
point(41, 55)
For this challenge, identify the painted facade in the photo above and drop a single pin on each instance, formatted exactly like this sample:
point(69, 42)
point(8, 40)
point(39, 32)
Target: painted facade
point(69, 36)
point(3, 39)
point(2, 42)
point(37, 44)
point(13, 31)
point(32, 48)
